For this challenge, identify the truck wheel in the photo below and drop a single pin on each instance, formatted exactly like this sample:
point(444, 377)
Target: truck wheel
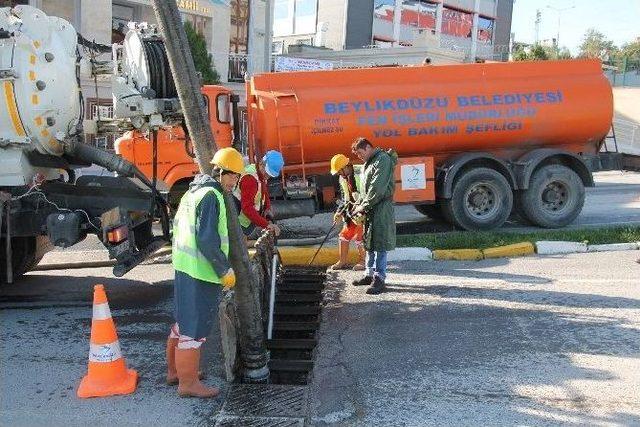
point(481, 200)
point(23, 251)
point(432, 211)
point(554, 198)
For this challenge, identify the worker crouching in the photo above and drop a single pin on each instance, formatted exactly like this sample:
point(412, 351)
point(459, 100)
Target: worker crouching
point(350, 188)
point(253, 194)
point(201, 262)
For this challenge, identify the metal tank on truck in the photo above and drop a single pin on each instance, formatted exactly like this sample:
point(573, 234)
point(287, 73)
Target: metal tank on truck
point(42, 132)
point(475, 141)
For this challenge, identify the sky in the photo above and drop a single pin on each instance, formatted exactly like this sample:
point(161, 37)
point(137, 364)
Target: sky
point(618, 20)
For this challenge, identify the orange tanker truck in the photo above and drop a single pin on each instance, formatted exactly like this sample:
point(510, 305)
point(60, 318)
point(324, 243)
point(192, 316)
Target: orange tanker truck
point(475, 141)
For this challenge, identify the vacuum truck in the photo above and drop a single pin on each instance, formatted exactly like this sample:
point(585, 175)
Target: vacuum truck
point(475, 141)
point(42, 141)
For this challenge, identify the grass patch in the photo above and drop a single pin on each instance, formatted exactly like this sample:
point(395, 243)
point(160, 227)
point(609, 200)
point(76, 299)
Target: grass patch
point(489, 239)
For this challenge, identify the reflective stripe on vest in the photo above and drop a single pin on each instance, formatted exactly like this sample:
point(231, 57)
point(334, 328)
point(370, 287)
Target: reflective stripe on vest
point(250, 170)
point(185, 254)
point(344, 186)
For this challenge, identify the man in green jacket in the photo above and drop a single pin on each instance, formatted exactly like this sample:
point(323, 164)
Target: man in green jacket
point(376, 204)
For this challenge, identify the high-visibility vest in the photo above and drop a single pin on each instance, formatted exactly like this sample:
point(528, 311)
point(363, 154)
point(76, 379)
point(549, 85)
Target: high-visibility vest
point(344, 185)
point(257, 200)
point(186, 256)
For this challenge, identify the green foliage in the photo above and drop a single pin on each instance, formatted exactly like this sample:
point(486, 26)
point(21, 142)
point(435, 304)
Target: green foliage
point(595, 45)
point(537, 52)
point(489, 239)
point(201, 58)
point(631, 50)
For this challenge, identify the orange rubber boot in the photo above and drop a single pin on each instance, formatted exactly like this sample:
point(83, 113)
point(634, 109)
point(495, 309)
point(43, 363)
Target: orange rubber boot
point(172, 373)
point(187, 363)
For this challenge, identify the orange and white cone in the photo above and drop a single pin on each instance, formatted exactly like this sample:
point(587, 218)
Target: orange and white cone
point(107, 374)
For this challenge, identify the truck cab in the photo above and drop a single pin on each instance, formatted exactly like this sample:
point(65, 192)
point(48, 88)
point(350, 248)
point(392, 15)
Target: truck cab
point(176, 165)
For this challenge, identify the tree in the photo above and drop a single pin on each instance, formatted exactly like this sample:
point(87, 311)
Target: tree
point(564, 53)
point(536, 52)
point(631, 50)
point(201, 58)
point(595, 45)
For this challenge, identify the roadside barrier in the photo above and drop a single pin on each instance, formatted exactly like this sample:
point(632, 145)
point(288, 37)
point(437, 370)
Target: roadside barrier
point(107, 373)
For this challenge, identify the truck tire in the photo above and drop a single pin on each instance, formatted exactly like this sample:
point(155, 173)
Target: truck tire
point(554, 198)
point(433, 211)
point(481, 200)
point(23, 251)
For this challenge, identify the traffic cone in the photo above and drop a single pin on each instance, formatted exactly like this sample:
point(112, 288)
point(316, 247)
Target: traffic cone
point(107, 374)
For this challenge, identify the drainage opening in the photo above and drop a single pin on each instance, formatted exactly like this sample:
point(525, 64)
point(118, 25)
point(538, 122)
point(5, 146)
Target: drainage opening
point(296, 321)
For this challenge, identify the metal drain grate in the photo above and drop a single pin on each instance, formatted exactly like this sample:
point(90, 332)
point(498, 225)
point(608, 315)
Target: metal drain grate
point(233, 421)
point(266, 401)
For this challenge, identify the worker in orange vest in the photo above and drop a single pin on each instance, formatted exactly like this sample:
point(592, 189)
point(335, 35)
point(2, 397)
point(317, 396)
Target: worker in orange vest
point(351, 188)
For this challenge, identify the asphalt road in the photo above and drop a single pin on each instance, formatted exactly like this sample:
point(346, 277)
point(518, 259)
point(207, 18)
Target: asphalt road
point(46, 320)
point(528, 341)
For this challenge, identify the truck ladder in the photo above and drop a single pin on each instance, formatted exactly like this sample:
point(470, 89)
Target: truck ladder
point(288, 122)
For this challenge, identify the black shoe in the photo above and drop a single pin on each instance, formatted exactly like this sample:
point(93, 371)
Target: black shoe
point(365, 281)
point(377, 287)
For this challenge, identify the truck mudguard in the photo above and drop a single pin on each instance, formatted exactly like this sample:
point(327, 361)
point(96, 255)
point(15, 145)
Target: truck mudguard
point(448, 171)
point(525, 166)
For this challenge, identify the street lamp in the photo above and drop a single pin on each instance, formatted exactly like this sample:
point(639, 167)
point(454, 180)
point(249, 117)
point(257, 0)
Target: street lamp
point(559, 11)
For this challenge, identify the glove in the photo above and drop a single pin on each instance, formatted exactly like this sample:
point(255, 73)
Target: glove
point(229, 279)
point(274, 228)
point(358, 217)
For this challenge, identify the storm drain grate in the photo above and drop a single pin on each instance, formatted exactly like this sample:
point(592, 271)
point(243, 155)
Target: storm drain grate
point(234, 421)
point(266, 400)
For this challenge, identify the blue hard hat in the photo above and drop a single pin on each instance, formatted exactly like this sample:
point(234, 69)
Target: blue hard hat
point(273, 163)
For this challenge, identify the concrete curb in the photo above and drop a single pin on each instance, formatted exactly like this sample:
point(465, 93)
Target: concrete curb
point(514, 250)
point(457, 255)
point(300, 256)
point(614, 247)
point(545, 247)
point(410, 254)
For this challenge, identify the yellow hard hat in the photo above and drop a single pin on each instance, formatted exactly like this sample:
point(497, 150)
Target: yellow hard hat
point(338, 162)
point(229, 159)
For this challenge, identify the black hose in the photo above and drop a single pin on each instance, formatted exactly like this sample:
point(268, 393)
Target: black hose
point(160, 76)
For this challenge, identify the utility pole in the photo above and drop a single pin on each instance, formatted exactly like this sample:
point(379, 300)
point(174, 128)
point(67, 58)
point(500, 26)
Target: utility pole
point(537, 30)
point(253, 351)
point(559, 11)
point(397, 22)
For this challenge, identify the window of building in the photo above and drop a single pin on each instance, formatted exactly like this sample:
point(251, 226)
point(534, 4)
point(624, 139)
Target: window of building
point(415, 15)
point(485, 30)
point(305, 16)
point(283, 18)
point(456, 23)
point(418, 14)
point(294, 17)
point(239, 26)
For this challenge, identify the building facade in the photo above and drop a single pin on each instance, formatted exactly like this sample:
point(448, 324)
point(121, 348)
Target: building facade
point(478, 28)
